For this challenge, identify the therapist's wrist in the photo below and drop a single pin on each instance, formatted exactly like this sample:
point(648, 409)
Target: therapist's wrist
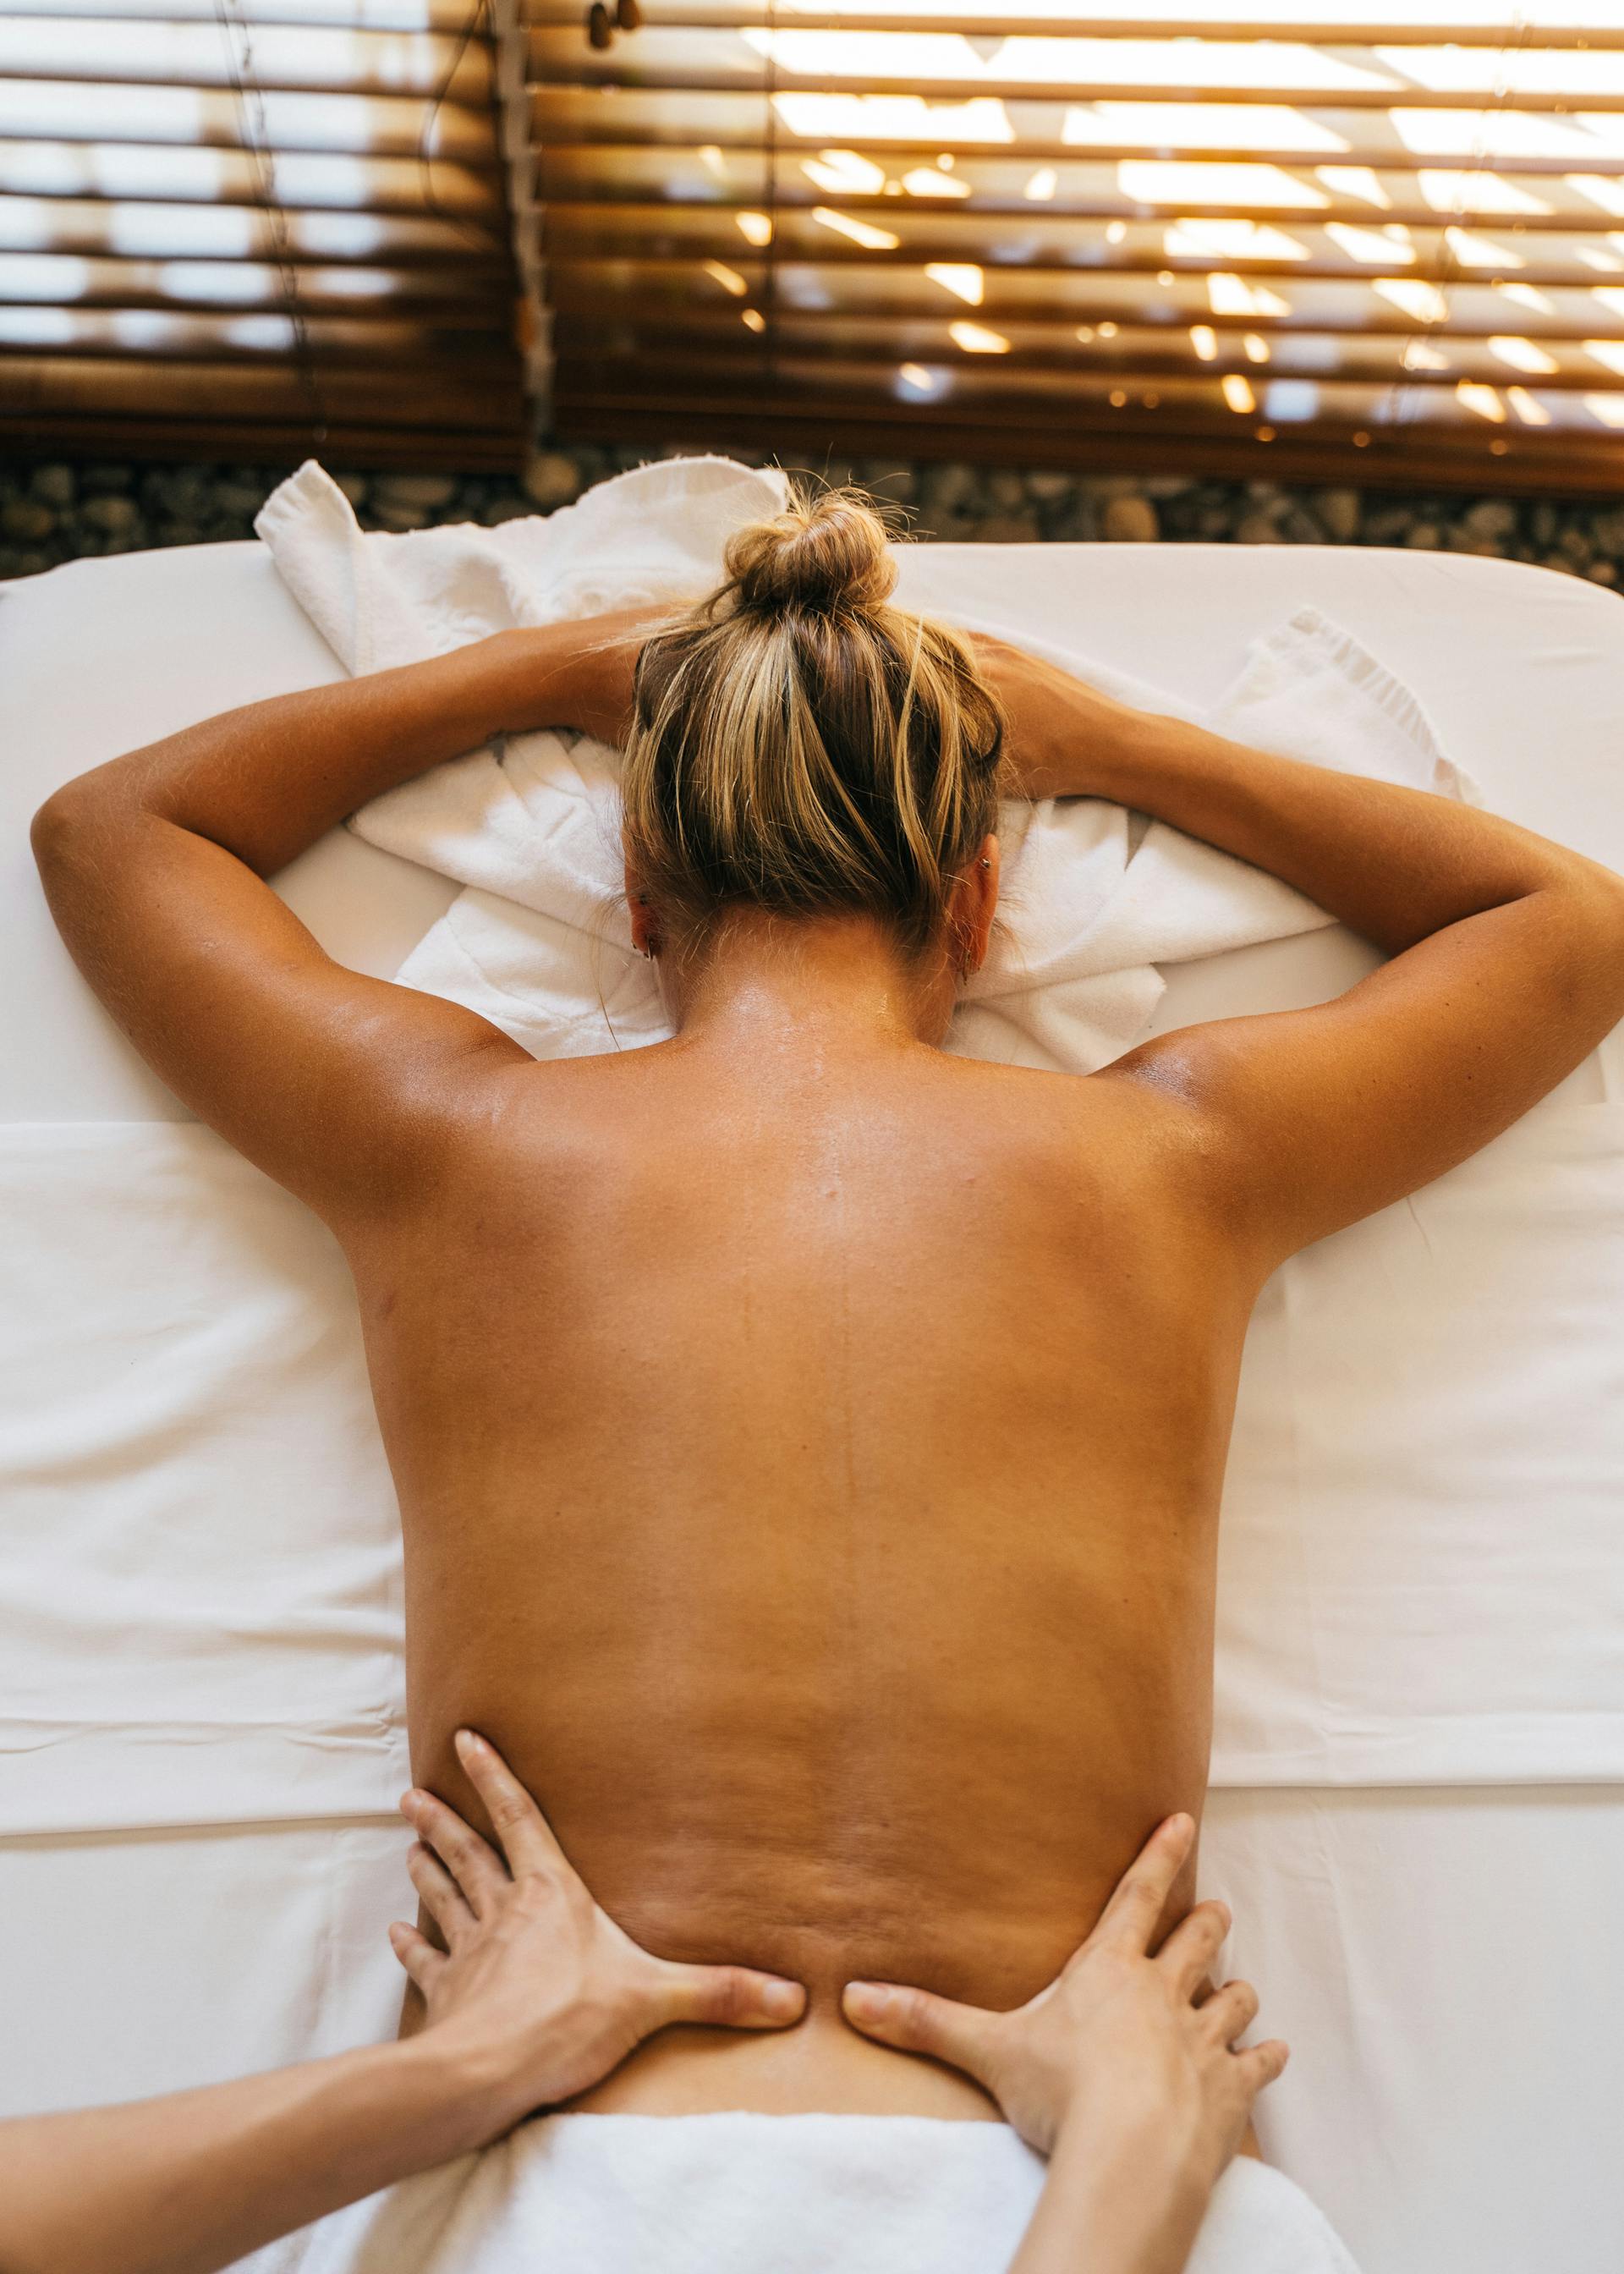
point(465, 2092)
point(1127, 2196)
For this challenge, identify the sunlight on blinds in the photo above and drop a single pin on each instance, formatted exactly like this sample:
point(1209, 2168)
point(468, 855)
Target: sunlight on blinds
point(254, 228)
point(1211, 231)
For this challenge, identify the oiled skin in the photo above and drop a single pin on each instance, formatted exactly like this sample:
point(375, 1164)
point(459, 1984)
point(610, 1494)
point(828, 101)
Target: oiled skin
point(809, 1470)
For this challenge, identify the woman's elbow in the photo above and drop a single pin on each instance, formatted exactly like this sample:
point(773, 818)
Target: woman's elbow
point(57, 826)
point(70, 838)
point(72, 820)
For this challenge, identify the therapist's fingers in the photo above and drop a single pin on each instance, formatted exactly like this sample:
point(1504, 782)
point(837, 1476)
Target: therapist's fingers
point(472, 1862)
point(526, 1837)
point(726, 1996)
point(1228, 2012)
point(417, 1953)
point(1129, 1919)
point(440, 1894)
point(919, 2021)
point(1261, 2065)
point(1190, 1950)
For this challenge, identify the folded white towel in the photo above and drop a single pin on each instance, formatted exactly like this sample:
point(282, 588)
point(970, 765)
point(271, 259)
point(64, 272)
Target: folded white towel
point(743, 2194)
point(539, 941)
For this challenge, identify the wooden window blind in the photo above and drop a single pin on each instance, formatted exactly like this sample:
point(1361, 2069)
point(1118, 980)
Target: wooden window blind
point(1294, 238)
point(249, 228)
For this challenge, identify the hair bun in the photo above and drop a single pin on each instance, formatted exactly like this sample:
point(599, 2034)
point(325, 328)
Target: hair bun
point(824, 556)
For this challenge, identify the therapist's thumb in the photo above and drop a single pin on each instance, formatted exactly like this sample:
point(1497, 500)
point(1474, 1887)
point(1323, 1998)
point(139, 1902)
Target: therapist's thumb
point(727, 1998)
point(919, 2021)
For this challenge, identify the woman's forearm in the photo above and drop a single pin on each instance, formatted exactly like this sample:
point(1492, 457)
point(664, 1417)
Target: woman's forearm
point(267, 780)
point(1395, 864)
point(195, 2180)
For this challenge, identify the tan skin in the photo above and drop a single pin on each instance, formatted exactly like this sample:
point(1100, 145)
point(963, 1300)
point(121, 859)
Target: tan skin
point(808, 1444)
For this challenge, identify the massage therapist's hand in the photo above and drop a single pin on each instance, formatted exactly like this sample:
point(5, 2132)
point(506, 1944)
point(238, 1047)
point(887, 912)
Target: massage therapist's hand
point(1123, 2072)
point(538, 1997)
point(538, 1992)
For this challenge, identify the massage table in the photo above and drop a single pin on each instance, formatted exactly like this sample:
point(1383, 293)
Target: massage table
point(1444, 1959)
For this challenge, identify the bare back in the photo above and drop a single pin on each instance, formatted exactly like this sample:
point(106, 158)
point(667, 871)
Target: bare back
point(809, 1478)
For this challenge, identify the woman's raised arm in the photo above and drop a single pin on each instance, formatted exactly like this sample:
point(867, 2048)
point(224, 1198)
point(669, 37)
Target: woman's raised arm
point(1506, 963)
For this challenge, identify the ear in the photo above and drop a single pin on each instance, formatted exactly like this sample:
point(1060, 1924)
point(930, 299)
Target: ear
point(974, 904)
point(645, 925)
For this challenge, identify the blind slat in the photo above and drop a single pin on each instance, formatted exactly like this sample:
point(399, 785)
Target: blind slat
point(448, 16)
point(1222, 300)
point(667, 178)
point(71, 281)
point(1136, 354)
point(205, 391)
point(1482, 23)
point(168, 116)
point(231, 177)
point(744, 123)
point(947, 67)
point(222, 234)
point(1193, 401)
point(203, 56)
point(1264, 249)
point(480, 350)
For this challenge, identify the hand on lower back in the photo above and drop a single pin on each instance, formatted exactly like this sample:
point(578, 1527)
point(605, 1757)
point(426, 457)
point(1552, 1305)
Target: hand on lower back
point(1116, 2050)
point(540, 1992)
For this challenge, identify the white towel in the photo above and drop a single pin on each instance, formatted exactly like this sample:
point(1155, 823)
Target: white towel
point(540, 942)
point(761, 2195)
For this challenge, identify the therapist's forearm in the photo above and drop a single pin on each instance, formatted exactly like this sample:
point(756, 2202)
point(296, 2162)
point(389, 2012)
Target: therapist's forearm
point(1113, 2207)
point(195, 2180)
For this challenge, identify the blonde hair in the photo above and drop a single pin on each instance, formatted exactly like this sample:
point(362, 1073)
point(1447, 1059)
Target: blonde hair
point(800, 745)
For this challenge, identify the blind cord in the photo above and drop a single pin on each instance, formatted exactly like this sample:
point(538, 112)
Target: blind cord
point(250, 99)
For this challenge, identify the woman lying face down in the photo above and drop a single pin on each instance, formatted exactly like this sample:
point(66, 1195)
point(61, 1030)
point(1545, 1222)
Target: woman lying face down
point(808, 1442)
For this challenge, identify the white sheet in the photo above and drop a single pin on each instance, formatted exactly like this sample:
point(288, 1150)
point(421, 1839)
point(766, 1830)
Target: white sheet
point(200, 1583)
point(1443, 1961)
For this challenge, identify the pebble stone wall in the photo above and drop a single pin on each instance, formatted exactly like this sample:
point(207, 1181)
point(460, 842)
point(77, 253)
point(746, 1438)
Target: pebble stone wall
point(56, 512)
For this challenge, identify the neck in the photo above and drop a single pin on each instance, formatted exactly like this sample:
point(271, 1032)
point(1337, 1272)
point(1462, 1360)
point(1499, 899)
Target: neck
point(839, 980)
